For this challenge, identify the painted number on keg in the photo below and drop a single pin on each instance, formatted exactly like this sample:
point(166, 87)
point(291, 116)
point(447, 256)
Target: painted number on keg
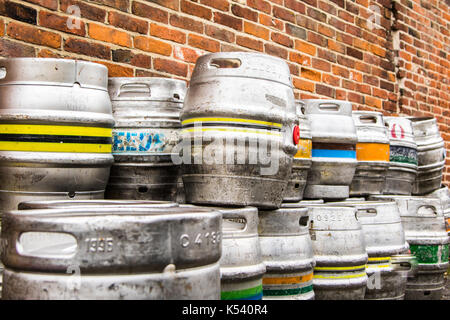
point(200, 239)
point(329, 217)
point(99, 245)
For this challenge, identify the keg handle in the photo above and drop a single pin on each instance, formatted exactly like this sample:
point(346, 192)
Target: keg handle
point(303, 221)
point(225, 63)
point(134, 88)
point(366, 212)
point(2, 73)
point(427, 211)
point(300, 108)
point(327, 107)
point(368, 119)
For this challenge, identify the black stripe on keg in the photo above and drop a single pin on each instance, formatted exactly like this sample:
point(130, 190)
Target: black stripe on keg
point(227, 124)
point(55, 138)
point(403, 155)
point(333, 146)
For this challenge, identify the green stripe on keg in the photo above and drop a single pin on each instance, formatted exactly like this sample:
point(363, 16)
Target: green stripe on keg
point(254, 293)
point(430, 254)
point(403, 155)
point(287, 292)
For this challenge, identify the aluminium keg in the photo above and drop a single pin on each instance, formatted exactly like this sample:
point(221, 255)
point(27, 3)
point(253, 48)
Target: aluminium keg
point(424, 225)
point(339, 251)
point(333, 149)
point(431, 154)
point(112, 253)
point(56, 204)
point(372, 153)
point(302, 160)
point(238, 130)
point(443, 194)
point(55, 130)
point(241, 266)
point(147, 115)
point(287, 253)
point(384, 237)
point(402, 157)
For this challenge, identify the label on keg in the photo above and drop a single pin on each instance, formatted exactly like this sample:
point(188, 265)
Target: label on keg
point(333, 150)
point(304, 149)
point(143, 141)
point(430, 254)
point(287, 284)
point(372, 152)
point(403, 155)
point(242, 290)
point(51, 138)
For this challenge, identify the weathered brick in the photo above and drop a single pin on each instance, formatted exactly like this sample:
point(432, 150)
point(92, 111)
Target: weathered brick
point(203, 43)
point(335, 46)
point(283, 14)
point(219, 33)
point(49, 4)
point(304, 85)
point(227, 20)
point(325, 90)
point(244, 12)
point(295, 5)
point(86, 10)
point(352, 52)
point(33, 35)
point(187, 54)
point(310, 74)
point(152, 13)
point(171, 4)
point(87, 48)
point(170, 66)
point(317, 39)
point(276, 51)
point(260, 5)
point(222, 5)
point(191, 8)
point(282, 39)
point(269, 21)
point(152, 45)
point(295, 31)
point(317, 15)
point(301, 59)
point(115, 70)
point(256, 30)
point(18, 12)
point(122, 5)
point(373, 102)
point(166, 33)
point(53, 21)
point(321, 65)
point(186, 23)
point(135, 59)
point(111, 35)
point(250, 43)
point(129, 23)
point(305, 47)
point(13, 49)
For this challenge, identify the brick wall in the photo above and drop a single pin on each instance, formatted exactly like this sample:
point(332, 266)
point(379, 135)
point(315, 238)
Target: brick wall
point(390, 55)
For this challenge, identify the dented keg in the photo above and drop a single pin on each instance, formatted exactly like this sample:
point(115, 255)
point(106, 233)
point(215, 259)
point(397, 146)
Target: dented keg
point(431, 154)
point(372, 153)
point(287, 253)
point(333, 149)
point(339, 252)
point(112, 253)
point(402, 157)
point(238, 122)
point(302, 160)
point(384, 237)
point(443, 194)
point(241, 265)
point(425, 232)
point(147, 115)
point(55, 130)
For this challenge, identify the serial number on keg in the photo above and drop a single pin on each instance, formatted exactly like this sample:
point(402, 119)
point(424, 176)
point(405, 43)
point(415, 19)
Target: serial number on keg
point(329, 217)
point(200, 239)
point(99, 245)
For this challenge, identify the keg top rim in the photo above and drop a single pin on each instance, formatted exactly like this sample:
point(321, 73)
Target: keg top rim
point(366, 202)
point(362, 112)
point(60, 60)
point(59, 204)
point(421, 119)
point(146, 79)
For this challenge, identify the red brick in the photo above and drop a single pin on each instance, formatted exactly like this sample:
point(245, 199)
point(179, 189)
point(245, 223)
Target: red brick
point(270, 21)
point(295, 5)
point(170, 66)
point(135, 59)
point(191, 8)
point(299, 58)
point(275, 51)
point(284, 14)
point(167, 33)
point(219, 33)
point(326, 31)
point(86, 10)
point(33, 35)
point(340, 71)
point(152, 13)
point(310, 74)
point(2, 28)
point(250, 43)
point(152, 45)
point(331, 80)
point(50, 4)
point(57, 22)
point(186, 54)
point(256, 30)
point(127, 22)
point(12, 49)
point(203, 43)
point(373, 102)
point(325, 90)
point(171, 4)
point(321, 65)
point(335, 46)
point(355, 97)
point(244, 12)
point(303, 85)
point(186, 23)
point(305, 47)
point(260, 5)
point(87, 48)
point(115, 70)
point(222, 5)
point(46, 53)
point(282, 39)
point(227, 20)
point(341, 94)
point(317, 39)
point(107, 34)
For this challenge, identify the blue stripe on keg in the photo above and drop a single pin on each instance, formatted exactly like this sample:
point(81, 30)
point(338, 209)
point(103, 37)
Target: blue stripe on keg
point(327, 153)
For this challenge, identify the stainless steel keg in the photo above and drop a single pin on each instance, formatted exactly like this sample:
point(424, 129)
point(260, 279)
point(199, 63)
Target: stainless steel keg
point(112, 253)
point(287, 253)
point(241, 266)
point(402, 157)
point(147, 115)
point(424, 225)
point(55, 130)
point(340, 253)
point(238, 131)
point(444, 195)
point(384, 237)
point(302, 159)
point(431, 154)
point(372, 153)
point(333, 149)
point(56, 204)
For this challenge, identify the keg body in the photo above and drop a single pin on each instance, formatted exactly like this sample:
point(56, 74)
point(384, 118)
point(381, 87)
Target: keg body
point(287, 253)
point(237, 130)
point(333, 149)
point(302, 160)
point(430, 154)
point(111, 253)
point(384, 237)
point(147, 116)
point(402, 157)
point(444, 195)
point(241, 265)
point(340, 253)
point(425, 231)
point(372, 154)
point(55, 130)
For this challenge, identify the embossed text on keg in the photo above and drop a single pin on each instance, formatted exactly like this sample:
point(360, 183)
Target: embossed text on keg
point(99, 245)
point(200, 239)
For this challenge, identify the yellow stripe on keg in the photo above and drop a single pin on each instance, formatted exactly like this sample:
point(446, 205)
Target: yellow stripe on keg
point(378, 266)
point(278, 134)
point(54, 147)
point(235, 120)
point(350, 276)
point(380, 259)
point(304, 148)
point(339, 268)
point(288, 280)
point(372, 152)
point(55, 130)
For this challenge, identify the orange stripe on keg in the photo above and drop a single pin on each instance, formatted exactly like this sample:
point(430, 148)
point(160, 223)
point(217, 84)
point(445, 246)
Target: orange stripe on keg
point(304, 148)
point(372, 152)
point(288, 280)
